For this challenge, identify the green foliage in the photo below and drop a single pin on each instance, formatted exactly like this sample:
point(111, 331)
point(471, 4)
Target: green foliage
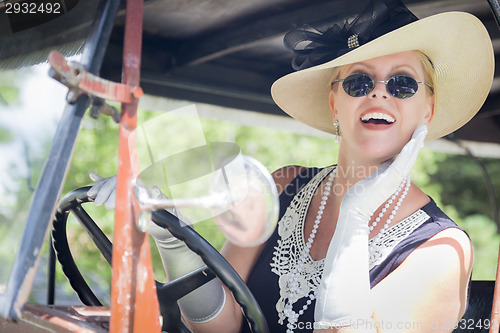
point(5, 135)
point(486, 244)
point(9, 87)
point(8, 94)
point(16, 199)
point(466, 187)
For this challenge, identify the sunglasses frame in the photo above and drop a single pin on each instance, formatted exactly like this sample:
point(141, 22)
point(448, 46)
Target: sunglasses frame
point(382, 81)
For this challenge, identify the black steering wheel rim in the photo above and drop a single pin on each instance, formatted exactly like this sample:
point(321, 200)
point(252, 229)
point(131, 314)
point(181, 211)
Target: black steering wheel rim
point(217, 265)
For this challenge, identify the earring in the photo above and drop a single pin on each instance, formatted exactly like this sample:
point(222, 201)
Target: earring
point(336, 124)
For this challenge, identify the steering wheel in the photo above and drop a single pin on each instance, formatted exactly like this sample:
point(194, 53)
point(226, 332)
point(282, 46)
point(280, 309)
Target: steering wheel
point(168, 293)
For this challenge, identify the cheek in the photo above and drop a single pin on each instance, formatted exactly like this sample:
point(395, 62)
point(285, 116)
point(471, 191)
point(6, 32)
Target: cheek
point(344, 107)
point(347, 122)
point(417, 113)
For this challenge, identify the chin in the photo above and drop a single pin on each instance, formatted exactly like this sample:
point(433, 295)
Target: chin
point(380, 151)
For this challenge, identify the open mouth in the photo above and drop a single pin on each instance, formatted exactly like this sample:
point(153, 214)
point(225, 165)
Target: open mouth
point(377, 119)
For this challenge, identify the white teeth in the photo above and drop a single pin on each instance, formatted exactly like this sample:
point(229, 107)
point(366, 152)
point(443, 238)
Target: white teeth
point(377, 115)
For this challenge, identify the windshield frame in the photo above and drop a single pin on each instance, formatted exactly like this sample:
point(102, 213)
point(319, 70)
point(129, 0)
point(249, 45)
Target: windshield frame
point(53, 174)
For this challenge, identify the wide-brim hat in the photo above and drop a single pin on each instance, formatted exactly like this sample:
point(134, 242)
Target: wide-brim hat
point(458, 46)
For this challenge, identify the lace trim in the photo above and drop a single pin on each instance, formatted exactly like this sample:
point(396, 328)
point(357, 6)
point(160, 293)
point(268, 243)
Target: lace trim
point(383, 244)
point(291, 244)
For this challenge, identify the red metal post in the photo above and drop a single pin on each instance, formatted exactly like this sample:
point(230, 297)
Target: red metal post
point(134, 303)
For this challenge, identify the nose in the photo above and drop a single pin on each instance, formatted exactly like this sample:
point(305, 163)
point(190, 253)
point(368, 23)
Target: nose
point(379, 91)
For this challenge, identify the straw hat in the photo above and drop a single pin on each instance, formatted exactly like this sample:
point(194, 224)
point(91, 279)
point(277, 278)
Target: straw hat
point(457, 44)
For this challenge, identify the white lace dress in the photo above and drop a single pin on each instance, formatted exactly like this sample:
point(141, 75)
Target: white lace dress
point(291, 243)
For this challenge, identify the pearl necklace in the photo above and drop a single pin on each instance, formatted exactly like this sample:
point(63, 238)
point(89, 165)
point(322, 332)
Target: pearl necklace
point(293, 286)
point(291, 314)
point(406, 183)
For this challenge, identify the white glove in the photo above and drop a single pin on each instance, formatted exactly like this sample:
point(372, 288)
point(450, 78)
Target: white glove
point(343, 296)
point(202, 304)
point(103, 191)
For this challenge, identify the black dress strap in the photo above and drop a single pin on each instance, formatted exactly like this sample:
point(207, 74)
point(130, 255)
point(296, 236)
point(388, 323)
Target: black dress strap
point(294, 187)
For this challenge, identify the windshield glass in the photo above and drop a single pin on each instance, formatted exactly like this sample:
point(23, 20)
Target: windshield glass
point(31, 105)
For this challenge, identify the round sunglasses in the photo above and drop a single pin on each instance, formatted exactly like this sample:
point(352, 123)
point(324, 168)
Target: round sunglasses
point(399, 86)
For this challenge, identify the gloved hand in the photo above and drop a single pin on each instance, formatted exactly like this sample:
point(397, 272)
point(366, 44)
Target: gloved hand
point(176, 257)
point(202, 304)
point(343, 296)
point(103, 191)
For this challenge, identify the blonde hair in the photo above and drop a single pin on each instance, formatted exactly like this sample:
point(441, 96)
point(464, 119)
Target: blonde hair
point(428, 69)
point(335, 75)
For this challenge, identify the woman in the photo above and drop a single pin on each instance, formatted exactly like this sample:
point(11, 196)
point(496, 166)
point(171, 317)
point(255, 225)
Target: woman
point(358, 247)
point(420, 262)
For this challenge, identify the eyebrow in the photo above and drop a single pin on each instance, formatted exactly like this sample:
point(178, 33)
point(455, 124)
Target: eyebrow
point(361, 64)
point(408, 67)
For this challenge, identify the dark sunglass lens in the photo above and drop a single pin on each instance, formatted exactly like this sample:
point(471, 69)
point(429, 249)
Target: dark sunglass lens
point(357, 85)
point(402, 86)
